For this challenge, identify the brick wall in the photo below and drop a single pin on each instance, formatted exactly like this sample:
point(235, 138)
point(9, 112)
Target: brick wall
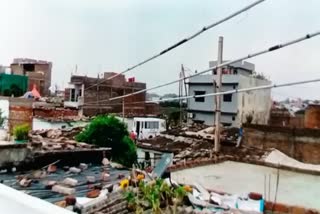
point(41, 76)
point(312, 116)
point(107, 89)
point(300, 144)
point(20, 112)
point(54, 113)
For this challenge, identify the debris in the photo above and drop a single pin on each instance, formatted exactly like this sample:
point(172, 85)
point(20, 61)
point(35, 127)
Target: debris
point(105, 162)
point(62, 204)
point(71, 208)
point(105, 176)
point(49, 184)
point(38, 174)
point(91, 179)
point(53, 133)
point(13, 169)
point(70, 147)
point(63, 190)
point(3, 171)
point(52, 168)
point(70, 182)
point(109, 187)
point(93, 194)
point(117, 165)
point(204, 194)
point(255, 196)
point(188, 210)
point(70, 200)
point(25, 182)
point(121, 176)
point(83, 166)
point(74, 170)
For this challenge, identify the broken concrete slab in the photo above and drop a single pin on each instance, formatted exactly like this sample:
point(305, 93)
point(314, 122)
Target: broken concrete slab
point(63, 190)
point(70, 182)
point(74, 170)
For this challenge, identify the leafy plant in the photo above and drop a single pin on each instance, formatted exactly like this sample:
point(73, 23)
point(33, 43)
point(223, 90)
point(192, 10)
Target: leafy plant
point(108, 131)
point(156, 194)
point(20, 132)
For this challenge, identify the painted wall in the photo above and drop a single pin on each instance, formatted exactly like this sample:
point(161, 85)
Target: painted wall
point(38, 124)
point(300, 144)
point(258, 103)
point(4, 107)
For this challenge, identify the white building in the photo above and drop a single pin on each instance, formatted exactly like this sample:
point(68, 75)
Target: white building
point(235, 108)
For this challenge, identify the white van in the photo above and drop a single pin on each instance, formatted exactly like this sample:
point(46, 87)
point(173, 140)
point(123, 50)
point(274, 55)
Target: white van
point(147, 128)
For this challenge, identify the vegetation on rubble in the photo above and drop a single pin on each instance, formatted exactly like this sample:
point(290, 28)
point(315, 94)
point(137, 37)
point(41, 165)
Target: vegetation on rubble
point(108, 131)
point(155, 195)
point(20, 132)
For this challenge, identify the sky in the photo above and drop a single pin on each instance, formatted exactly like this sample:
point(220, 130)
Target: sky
point(111, 35)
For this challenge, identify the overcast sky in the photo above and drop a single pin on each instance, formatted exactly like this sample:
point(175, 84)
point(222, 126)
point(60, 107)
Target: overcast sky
point(110, 35)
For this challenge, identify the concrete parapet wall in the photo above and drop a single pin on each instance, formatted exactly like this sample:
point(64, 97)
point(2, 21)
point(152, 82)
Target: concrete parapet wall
point(300, 144)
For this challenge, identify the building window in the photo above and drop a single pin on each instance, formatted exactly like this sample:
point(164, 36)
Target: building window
point(227, 98)
point(199, 99)
point(233, 118)
point(73, 95)
point(151, 125)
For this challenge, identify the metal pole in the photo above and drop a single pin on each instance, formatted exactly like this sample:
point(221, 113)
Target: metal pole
point(217, 83)
point(123, 110)
point(180, 101)
point(123, 106)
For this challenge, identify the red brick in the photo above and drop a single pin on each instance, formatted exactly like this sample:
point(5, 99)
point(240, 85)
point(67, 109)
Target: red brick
point(311, 211)
point(278, 207)
point(268, 205)
point(297, 210)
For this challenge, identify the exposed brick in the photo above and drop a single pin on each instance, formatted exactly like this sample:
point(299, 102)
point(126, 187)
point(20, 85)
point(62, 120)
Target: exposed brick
point(268, 205)
point(282, 208)
point(297, 210)
point(311, 211)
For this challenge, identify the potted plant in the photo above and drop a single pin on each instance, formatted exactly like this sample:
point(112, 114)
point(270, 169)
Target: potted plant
point(20, 133)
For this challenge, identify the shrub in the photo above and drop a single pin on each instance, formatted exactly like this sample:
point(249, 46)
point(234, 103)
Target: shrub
point(20, 132)
point(108, 131)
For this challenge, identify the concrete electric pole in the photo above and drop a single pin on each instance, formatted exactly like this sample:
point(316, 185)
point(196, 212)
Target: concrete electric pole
point(218, 84)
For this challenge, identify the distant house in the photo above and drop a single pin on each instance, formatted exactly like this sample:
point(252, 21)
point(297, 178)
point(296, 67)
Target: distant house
point(37, 71)
point(235, 108)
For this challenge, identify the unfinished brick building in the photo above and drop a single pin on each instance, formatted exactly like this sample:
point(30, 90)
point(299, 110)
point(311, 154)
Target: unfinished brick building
point(90, 96)
point(37, 71)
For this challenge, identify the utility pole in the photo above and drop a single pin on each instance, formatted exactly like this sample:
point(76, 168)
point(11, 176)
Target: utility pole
point(218, 84)
point(123, 112)
point(180, 95)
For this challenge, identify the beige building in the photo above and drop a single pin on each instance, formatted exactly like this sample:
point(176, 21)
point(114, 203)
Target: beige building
point(38, 72)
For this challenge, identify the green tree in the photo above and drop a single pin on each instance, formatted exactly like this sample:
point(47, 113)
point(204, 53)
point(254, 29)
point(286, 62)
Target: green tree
point(108, 131)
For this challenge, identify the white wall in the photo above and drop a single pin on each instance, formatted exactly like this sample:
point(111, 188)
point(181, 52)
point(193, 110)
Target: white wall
point(258, 103)
point(4, 106)
point(38, 124)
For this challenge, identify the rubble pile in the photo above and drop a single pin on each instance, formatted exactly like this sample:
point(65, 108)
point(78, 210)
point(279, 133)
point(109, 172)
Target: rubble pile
point(58, 139)
point(83, 188)
point(186, 148)
point(201, 131)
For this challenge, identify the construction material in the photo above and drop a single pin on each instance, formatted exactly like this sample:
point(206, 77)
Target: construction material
point(70, 182)
point(63, 190)
point(277, 157)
